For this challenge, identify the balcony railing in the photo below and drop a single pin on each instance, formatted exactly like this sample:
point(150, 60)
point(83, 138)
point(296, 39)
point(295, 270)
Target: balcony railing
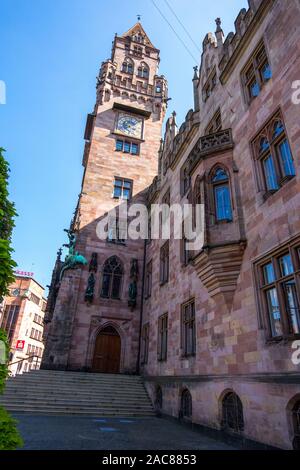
point(210, 144)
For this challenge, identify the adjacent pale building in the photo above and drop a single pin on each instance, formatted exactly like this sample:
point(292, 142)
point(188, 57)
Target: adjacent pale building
point(22, 317)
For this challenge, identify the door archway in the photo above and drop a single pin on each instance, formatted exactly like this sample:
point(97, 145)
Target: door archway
point(107, 352)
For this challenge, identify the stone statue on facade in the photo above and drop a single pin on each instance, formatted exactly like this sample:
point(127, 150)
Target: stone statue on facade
point(93, 263)
point(73, 258)
point(89, 293)
point(132, 291)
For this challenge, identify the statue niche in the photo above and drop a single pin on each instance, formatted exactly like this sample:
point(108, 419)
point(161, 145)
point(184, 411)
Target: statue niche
point(132, 291)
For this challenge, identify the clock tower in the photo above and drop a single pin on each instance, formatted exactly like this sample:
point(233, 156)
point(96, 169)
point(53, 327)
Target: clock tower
point(94, 316)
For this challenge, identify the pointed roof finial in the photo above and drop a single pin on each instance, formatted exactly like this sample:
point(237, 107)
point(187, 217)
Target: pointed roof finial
point(196, 73)
point(139, 17)
point(59, 253)
point(218, 23)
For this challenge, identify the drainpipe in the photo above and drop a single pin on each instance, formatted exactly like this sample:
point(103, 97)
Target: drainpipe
point(142, 308)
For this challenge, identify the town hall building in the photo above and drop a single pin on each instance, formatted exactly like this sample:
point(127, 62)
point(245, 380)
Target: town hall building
point(212, 331)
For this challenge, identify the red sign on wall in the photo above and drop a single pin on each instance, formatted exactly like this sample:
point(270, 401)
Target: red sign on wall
point(20, 344)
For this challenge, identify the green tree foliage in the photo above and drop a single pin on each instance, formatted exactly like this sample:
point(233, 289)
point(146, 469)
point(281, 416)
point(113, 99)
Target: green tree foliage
point(7, 214)
point(9, 436)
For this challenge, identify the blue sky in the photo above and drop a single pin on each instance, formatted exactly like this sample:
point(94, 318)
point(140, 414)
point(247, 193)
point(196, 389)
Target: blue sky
point(50, 54)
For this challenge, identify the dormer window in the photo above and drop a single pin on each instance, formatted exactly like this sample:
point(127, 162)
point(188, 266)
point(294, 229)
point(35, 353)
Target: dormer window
point(138, 51)
point(139, 38)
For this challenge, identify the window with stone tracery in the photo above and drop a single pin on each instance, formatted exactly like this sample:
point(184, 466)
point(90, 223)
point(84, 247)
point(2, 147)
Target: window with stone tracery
point(273, 156)
point(256, 73)
point(112, 278)
point(279, 294)
point(128, 66)
point(143, 71)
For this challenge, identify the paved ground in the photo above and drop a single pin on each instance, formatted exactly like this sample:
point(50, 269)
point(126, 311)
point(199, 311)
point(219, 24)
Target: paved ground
point(77, 433)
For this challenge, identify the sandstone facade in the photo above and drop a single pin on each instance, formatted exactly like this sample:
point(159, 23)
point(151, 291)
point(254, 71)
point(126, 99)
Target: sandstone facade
point(241, 376)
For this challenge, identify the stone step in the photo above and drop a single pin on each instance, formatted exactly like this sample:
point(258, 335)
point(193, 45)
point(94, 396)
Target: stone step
point(21, 379)
point(66, 408)
point(81, 376)
point(69, 391)
point(71, 399)
point(34, 378)
point(92, 413)
point(78, 405)
point(56, 392)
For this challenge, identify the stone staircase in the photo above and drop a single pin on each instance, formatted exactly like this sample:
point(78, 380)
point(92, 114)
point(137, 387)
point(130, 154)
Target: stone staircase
point(76, 393)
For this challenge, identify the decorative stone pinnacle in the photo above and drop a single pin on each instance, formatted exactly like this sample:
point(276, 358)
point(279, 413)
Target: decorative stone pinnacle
point(196, 72)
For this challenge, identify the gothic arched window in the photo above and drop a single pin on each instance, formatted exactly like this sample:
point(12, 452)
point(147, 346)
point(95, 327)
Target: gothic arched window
point(222, 198)
point(127, 66)
point(111, 278)
point(232, 412)
point(186, 405)
point(143, 70)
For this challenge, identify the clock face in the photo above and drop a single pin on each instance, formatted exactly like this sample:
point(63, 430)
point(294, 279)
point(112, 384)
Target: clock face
point(130, 125)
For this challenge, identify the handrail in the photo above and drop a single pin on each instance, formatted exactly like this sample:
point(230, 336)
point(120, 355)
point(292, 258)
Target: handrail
point(24, 359)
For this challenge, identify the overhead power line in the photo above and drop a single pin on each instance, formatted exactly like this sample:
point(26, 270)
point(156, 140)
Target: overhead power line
point(174, 31)
point(182, 25)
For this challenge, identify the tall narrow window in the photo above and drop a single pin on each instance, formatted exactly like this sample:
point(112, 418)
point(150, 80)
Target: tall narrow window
point(162, 344)
point(185, 253)
point(112, 278)
point(185, 179)
point(222, 198)
point(279, 293)
point(145, 343)
point(117, 230)
point(148, 280)
point(164, 263)
point(273, 155)
point(188, 329)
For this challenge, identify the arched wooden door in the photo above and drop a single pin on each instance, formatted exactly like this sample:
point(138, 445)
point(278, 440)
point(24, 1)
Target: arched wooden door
point(107, 352)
